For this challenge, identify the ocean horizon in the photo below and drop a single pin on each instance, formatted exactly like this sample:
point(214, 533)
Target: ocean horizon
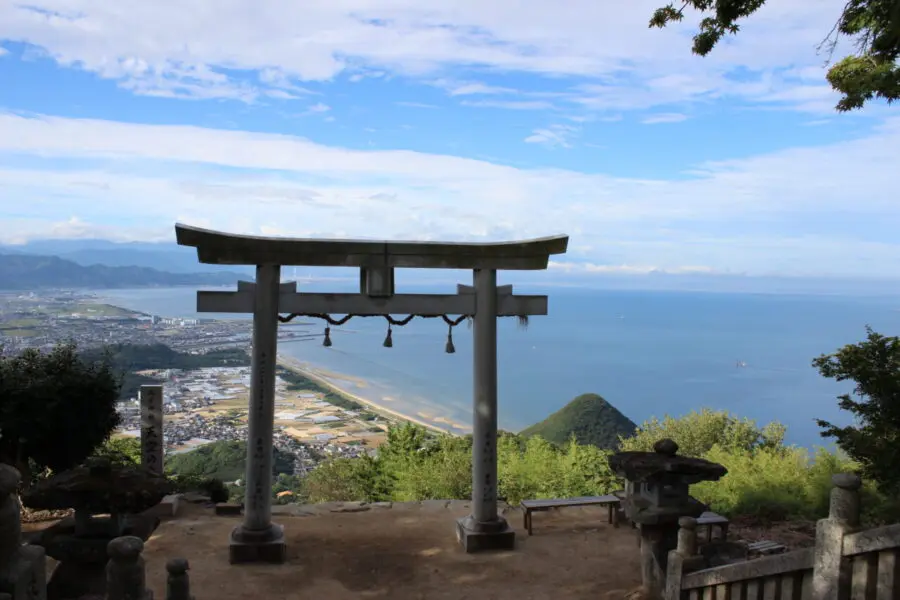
point(649, 353)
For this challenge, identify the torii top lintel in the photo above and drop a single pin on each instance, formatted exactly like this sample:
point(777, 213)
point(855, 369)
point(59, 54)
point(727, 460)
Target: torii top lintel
point(215, 247)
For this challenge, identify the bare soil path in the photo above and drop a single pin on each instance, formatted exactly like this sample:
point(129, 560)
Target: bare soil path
point(406, 551)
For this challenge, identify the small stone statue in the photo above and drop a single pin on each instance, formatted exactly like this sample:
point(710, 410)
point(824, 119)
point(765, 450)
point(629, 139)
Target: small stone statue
point(178, 586)
point(125, 570)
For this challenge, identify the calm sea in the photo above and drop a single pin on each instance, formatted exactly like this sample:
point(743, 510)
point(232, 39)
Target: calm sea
point(648, 353)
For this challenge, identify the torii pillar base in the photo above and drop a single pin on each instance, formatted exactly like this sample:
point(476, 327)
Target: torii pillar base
point(477, 537)
point(265, 546)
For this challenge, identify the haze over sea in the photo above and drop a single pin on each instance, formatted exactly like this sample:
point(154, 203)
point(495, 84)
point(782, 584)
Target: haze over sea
point(649, 353)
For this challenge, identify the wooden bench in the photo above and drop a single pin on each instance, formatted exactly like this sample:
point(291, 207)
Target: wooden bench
point(533, 506)
point(765, 548)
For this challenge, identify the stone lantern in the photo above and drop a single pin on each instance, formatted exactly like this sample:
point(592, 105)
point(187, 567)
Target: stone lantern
point(656, 495)
point(108, 500)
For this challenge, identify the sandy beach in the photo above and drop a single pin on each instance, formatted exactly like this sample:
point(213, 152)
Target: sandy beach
point(326, 378)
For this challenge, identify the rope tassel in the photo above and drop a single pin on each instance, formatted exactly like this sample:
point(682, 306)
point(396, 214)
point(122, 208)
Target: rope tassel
point(388, 341)
point(450, 349)
point(327, 341)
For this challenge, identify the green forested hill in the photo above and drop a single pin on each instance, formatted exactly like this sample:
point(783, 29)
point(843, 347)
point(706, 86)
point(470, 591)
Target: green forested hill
point(125, 359)
point(592, 419)
point(225, 460)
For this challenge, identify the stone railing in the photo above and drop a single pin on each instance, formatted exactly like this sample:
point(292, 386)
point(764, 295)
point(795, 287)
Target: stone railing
point(845, 562)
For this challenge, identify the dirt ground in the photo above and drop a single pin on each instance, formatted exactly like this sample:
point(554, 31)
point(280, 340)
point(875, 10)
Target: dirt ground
point(407, 551)
point(793, 534)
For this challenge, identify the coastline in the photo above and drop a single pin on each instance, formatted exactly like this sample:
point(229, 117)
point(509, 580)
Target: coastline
point(292, 364)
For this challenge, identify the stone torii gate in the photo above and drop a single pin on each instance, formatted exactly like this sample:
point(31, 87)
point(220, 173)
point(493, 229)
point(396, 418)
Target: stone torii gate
point(257, 538)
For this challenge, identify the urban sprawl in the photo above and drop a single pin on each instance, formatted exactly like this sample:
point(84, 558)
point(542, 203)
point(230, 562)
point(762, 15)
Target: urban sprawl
point(200, 405)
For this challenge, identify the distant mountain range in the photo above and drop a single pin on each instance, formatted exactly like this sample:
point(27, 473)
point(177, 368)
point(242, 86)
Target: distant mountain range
point(174, 259)
point(34, 272)
point(162, 256)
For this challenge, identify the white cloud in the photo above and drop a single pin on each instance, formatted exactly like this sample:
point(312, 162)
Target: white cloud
point(553, 136)
point(664, 118)
point(318, 108)
point(204, 48)
point(829, 209)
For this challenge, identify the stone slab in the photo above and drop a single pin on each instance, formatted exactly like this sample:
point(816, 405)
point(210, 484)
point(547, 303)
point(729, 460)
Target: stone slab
point(258, 551)
point(295, 510)
point(168, 506)
point(478, 541)
point(229, 509)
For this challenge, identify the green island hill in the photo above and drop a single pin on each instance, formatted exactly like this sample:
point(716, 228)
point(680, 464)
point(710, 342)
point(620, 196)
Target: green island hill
point(590, 418)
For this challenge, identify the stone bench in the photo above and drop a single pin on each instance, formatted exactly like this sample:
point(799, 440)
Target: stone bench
point(533, 506)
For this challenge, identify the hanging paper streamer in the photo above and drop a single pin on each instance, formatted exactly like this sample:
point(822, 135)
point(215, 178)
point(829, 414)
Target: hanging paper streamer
point(388, 341)
point(327, 341)
point(450, 349)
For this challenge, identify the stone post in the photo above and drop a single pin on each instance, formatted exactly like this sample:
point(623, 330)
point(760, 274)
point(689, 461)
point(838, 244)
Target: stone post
point(23, 569)
point(831, 572)
point(257, 539)
point(10, 514)
point(178, 585)
point(125, 570)
point(484, 528)
point(152, 443)
point(687, 547)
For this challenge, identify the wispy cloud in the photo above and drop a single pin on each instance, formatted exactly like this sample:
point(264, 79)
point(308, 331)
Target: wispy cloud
point(416, 105)
point(555, 136)
point(510, 104)
point(664, 118)
point(572, 267)
point(472, 88)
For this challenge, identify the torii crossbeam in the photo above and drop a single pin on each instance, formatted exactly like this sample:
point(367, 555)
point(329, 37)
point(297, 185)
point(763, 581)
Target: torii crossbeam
point(257, 538)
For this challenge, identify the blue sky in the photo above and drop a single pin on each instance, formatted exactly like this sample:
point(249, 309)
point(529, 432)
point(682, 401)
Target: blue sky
point(447, 120)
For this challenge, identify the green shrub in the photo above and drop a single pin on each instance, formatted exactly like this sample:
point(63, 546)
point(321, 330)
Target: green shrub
point(773, 483)
point(124, 451)
point(346, 479)
point(697, 432)
point(765, 479)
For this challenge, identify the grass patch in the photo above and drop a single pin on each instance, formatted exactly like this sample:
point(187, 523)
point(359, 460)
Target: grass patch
point(25, 323)
point(18, 332)
point(102, 310)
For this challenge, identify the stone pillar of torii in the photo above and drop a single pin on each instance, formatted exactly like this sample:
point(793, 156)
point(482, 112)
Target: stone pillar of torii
point(257, 539)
